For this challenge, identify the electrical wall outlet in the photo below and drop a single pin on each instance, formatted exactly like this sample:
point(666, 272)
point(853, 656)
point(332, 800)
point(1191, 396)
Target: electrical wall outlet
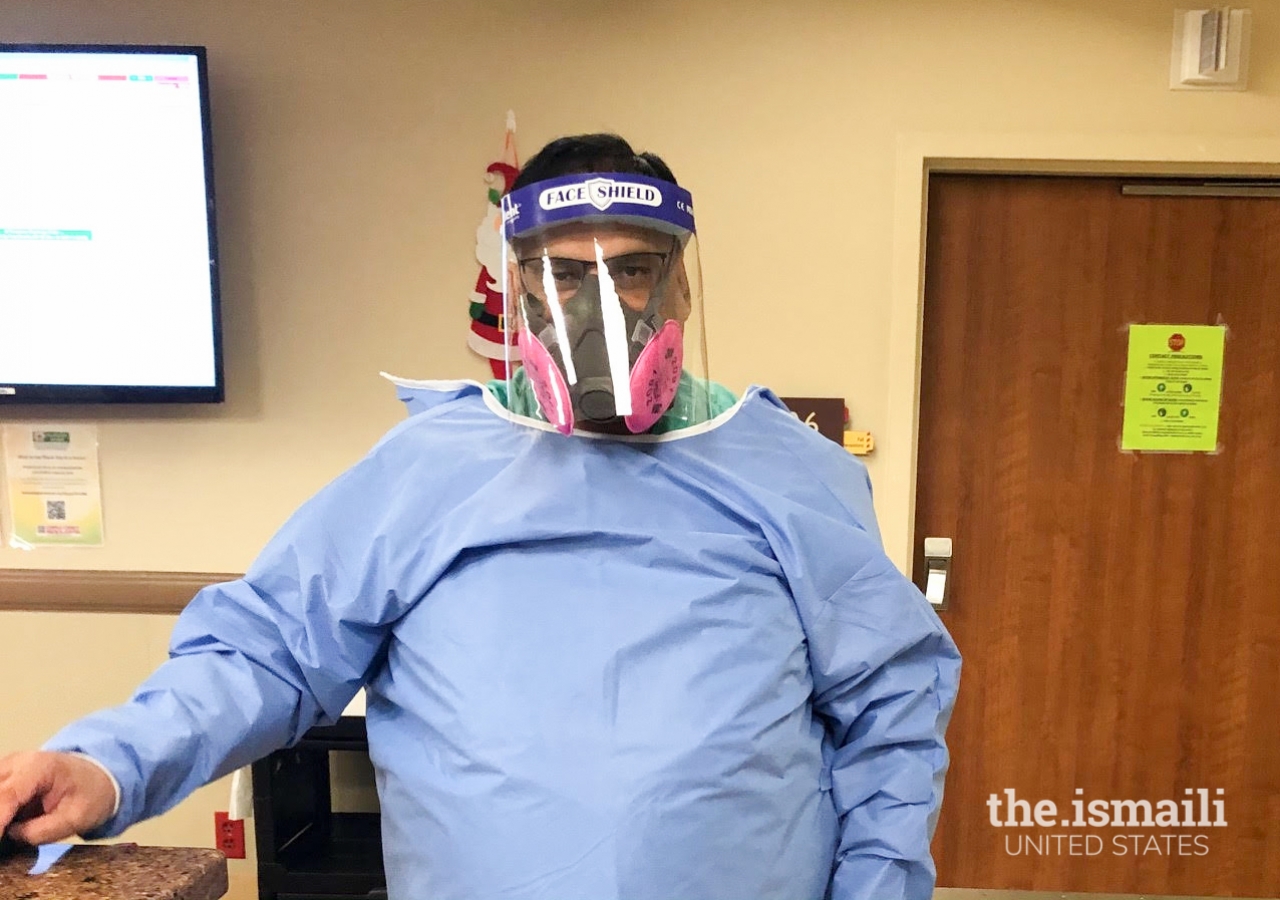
point(228, 835)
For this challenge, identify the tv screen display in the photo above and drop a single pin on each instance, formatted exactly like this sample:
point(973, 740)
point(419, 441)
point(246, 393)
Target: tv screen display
point(108, 256)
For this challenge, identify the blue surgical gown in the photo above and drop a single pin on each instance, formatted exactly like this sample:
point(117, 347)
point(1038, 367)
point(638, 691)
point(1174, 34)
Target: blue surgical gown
point(597, 669)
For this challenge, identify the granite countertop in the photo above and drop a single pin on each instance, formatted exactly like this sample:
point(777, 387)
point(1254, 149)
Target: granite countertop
point(118, 872)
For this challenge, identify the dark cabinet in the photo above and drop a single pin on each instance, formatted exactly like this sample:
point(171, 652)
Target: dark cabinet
point(306, 850)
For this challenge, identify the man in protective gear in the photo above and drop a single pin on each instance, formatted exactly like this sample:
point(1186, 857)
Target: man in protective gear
point(623, 636)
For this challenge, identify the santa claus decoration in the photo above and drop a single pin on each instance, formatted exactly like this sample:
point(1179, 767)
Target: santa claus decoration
point(488, 335)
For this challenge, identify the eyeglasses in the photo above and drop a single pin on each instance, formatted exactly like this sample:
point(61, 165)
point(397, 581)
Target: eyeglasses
point(634, 275)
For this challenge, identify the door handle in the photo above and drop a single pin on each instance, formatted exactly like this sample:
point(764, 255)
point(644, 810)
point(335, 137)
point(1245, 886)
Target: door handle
point(937, 560)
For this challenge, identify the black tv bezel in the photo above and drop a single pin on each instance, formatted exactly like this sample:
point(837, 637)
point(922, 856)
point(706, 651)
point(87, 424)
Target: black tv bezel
point(64, 394)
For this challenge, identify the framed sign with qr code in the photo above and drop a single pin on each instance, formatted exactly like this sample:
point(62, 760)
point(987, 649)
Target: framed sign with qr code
point(52, 482)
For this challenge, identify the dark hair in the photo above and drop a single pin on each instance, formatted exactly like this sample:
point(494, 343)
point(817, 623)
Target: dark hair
point(580, 154)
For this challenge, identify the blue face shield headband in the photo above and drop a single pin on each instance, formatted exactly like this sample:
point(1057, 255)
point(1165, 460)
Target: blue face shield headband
point(649, 202)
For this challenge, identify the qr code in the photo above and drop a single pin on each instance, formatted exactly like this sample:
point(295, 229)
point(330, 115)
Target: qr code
point(55, 510)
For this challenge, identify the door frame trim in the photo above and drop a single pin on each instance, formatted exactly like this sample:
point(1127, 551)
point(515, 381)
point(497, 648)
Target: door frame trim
point(918, 155)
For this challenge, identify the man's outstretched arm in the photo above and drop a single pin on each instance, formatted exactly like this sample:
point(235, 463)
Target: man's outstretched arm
point(253, 664)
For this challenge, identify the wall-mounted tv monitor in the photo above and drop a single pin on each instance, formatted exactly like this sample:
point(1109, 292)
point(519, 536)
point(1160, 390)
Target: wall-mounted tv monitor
point(108, 256)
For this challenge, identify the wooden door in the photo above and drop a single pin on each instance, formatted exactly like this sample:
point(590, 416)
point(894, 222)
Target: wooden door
point(1119, 613)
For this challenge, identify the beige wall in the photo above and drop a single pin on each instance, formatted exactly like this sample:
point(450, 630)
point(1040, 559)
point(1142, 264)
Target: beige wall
point(350, 139)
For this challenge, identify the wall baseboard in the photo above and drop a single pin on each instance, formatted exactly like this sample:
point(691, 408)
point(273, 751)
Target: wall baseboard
point(101, 591)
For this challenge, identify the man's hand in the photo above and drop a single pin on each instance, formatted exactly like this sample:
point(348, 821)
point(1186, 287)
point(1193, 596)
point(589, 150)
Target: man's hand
point(45, 797)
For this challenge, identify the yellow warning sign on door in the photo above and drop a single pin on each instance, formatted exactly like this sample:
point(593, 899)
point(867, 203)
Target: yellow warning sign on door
point(1173, 388)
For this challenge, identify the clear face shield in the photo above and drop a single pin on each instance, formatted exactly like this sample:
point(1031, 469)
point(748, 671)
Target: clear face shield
point(603, 284)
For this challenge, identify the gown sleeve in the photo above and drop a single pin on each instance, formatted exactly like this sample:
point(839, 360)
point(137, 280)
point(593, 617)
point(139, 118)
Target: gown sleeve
point(885, 676)
point(885, 671)
point(254, 663)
